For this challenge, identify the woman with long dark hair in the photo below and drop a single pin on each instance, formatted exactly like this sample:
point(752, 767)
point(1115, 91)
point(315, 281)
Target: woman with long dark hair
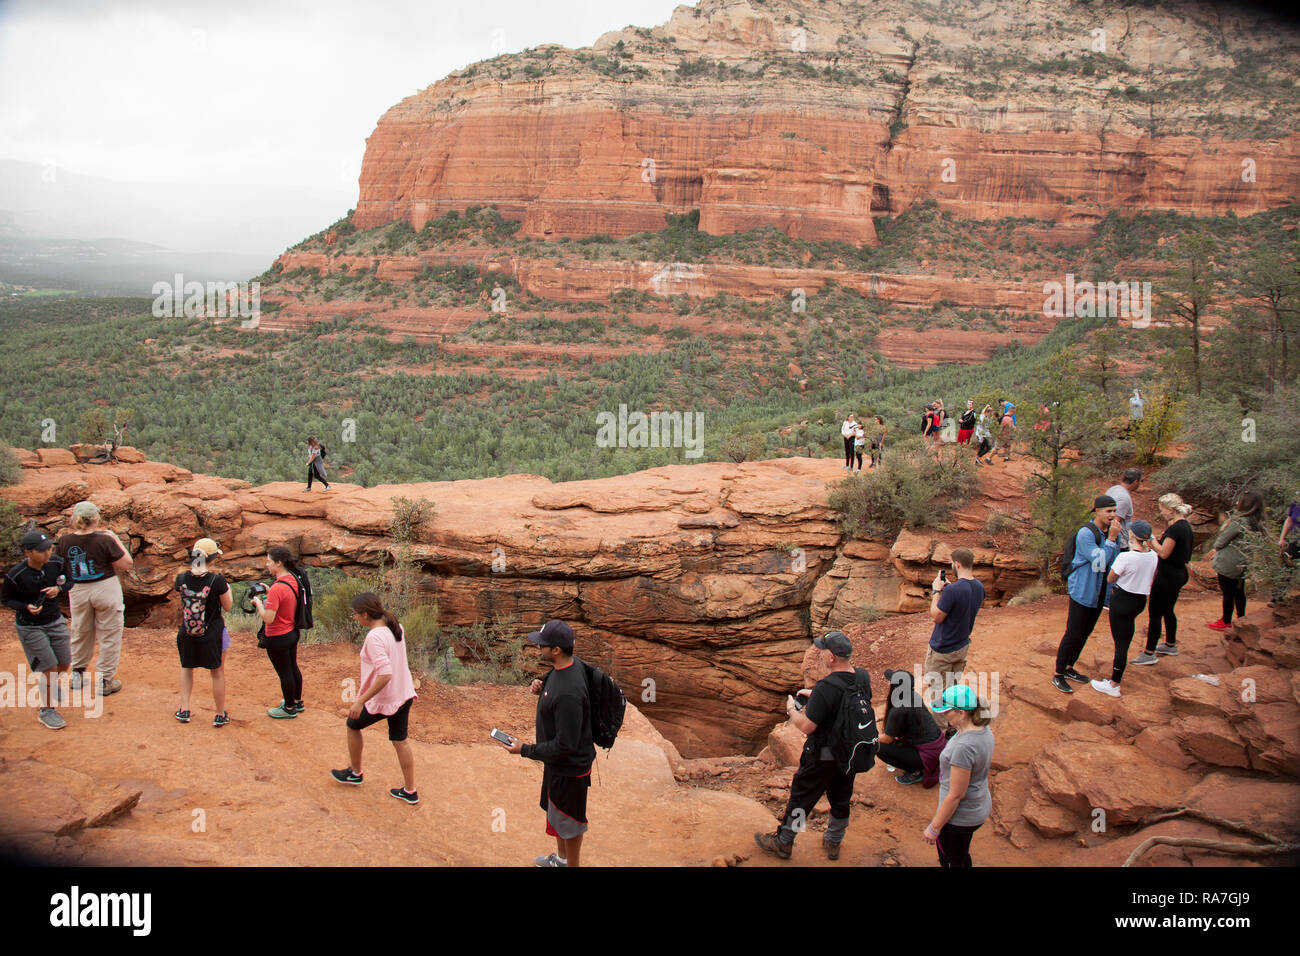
point(1227, 559)
point(279, 632)
point(911, 739)
point(315, 464)
point(386, 693)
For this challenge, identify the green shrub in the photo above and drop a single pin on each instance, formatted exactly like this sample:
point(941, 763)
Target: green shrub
point(332, 612)
point(911, 489)
point(11, 531)
point(10, 471)
point(1268, 568)
point(740, 448)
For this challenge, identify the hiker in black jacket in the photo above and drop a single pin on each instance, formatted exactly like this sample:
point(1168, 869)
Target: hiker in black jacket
point(818, 771)
point(564, 744)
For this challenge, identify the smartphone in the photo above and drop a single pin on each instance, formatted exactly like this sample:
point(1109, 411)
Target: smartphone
point(943, 575)
point(798, 701)
point(503, 738)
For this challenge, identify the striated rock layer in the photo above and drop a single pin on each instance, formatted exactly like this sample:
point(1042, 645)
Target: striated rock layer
point(812, 117)
point(696, 584)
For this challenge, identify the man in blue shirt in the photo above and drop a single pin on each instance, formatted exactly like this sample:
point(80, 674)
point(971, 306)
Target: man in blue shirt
point(1086, 583)
point(953, 607)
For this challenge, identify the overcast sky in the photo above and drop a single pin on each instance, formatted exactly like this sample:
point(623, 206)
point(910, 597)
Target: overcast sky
point(249, 91)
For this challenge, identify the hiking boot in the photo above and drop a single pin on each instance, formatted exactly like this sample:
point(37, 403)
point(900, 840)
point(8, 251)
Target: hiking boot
point(771, 843)
point(551, 859)
point(78, 678)
point(1071, 674)
point(1218, 625)
point(915, 776)
point(1170, 649)
point(406, 796)
point(1144, 658)
point(1105, 687)
point(281, 713)
point(51, 718)
point(832, 850)
point(183, 716)
point(220, 720)
point(107, 687)
point(346, 776)
point(1061, 684)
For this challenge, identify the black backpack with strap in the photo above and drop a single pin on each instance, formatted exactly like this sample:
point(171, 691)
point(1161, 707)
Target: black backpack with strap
point(302, 619)
point(1071, 546)
point(608, 705)
point(854, 738)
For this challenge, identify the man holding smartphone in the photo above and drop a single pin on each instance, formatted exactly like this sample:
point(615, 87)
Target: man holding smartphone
point(564, 744)
point(818, 772)
point(953, 606)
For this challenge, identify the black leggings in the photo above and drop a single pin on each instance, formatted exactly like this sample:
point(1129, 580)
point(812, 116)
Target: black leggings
point(903, 756)
point(1079, 622)
point(1234, 595)
point(848, 452)
point(1124, 611)
point(1160, 609)
point(284, 658)
point(954, 844)
point(984, 448)
point(857, 453)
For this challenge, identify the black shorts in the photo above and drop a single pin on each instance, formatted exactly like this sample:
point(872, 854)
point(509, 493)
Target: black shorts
point(396, 723)
point(200, 652)
point(565, 801)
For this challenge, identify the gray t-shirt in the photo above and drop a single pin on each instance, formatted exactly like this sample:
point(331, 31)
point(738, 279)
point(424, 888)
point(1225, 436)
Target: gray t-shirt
point(1123, 511)
point(972, 750)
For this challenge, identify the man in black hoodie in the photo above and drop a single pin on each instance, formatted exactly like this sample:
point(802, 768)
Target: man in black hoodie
point(564, 744)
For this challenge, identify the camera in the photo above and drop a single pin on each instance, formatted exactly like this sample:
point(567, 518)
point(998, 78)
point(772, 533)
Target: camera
point(256, 589)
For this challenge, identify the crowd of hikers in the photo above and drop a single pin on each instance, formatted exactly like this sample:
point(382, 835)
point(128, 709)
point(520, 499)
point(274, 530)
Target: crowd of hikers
point(991, 429)
point(940, 737)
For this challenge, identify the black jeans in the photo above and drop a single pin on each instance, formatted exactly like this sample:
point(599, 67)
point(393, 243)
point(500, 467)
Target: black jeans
point(954, 845)
point(1124, 610)
point(1234, 595)
point(1160, 609)
point(284, 658)
point(814, 778)
point(848, 452)
point(1079, 622)
point(903, 756)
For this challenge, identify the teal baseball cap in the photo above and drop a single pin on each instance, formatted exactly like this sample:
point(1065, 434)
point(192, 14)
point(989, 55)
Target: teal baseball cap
point(958, 697)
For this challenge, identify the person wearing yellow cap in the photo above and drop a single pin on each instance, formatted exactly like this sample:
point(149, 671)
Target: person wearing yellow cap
point(202, 639)
point(965, 801)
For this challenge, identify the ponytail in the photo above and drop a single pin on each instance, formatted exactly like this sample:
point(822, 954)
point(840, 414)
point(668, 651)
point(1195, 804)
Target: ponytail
point(368, 603)
point(281, 555)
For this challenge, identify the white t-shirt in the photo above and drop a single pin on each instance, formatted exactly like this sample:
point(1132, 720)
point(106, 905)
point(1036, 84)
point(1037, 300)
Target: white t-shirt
point(1134, 571)
point(859, 437)
point(848, 428)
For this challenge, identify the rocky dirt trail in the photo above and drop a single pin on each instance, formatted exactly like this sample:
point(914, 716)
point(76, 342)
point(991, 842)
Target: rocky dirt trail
point(134, 786)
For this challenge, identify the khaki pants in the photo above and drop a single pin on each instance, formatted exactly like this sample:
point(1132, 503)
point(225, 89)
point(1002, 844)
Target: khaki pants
point(97, 609)
point(949, 668)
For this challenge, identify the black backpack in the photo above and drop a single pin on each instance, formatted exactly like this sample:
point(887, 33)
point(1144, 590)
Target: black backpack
point(302, 600)
point(322, 450)
point(854, 738)
point(608, 705)
point(1067, 556)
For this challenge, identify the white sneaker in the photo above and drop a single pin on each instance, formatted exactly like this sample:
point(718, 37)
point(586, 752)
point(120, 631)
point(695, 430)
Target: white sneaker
point(1105, 687)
